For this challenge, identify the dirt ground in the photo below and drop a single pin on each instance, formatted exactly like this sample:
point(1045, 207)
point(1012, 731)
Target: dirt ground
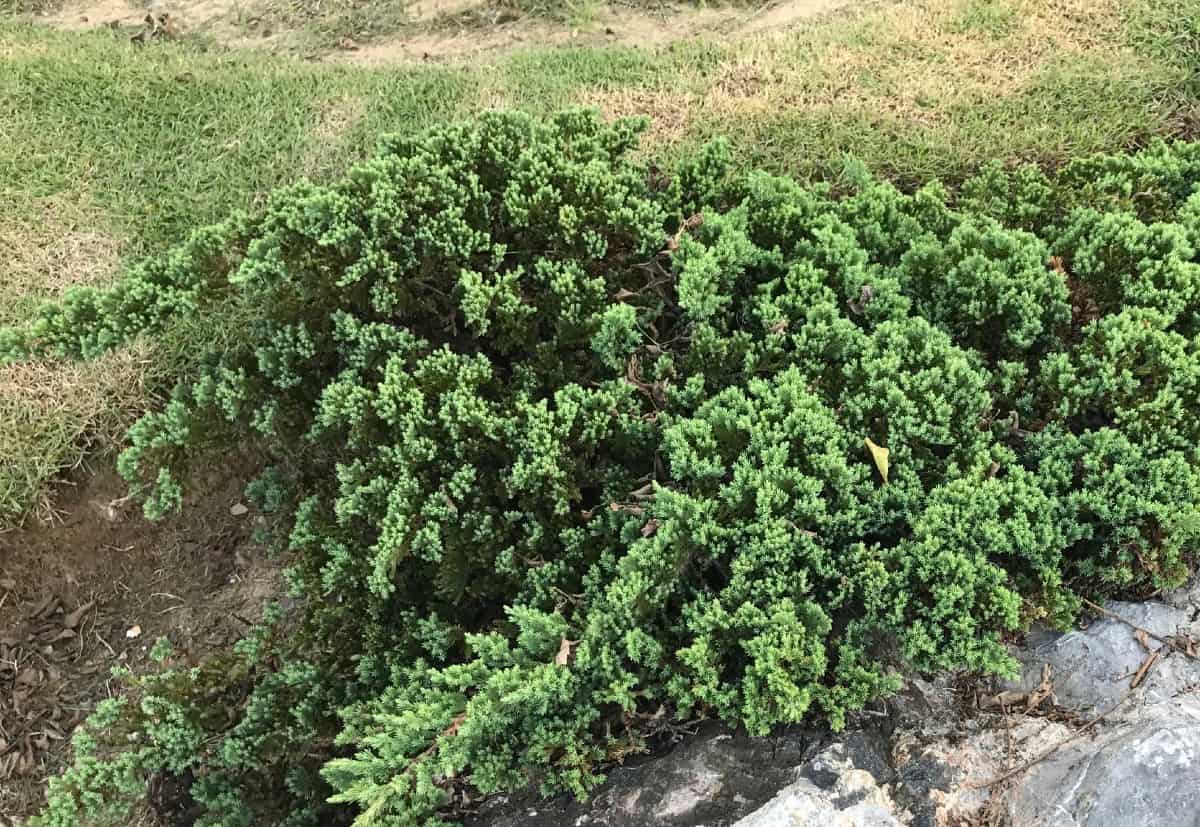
point(443, 30)
point(94, 590)
point(463, 36)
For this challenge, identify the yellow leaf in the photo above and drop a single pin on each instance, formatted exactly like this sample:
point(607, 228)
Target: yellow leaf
point(880, 455)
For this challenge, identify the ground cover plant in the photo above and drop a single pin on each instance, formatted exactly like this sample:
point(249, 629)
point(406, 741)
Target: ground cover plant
point(562, 448)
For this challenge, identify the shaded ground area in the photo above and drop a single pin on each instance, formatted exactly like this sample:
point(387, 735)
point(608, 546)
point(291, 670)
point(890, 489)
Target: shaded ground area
point(94, 590)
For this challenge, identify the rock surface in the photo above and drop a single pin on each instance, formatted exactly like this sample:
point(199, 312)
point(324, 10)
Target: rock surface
point(1137, 765)
point(712, 778)
point(1094, 751)
point(1140, 765)
point(1143, 771)
point(839, 787)
point(1092, 668)
point(802, 804)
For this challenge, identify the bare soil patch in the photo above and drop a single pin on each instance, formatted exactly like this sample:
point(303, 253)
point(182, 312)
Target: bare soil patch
point(783, 15)
point(75, 16)
point(219, 16)
point(94, 590)
point(427, 10)
point(481, 31)
point(448, 30)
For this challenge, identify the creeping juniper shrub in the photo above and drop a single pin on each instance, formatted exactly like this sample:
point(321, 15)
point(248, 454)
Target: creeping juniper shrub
point(562, 454)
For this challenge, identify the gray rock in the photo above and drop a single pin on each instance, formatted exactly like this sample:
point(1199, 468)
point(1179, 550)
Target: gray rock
point(931, 705)
point(717, 778)
point(836, 790)
point(1142, 772)
point(1093, 667)
point(864, 751)
point(803, 804)
point(1139, 766)
point(1187, 598)
point(943, 781)
point(711, 779)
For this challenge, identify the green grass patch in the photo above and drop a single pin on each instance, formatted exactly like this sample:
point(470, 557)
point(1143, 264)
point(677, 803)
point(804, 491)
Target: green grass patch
point(168, 137)
point(993, 17)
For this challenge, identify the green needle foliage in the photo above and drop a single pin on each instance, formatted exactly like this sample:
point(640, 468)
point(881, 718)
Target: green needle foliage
point(564, 449)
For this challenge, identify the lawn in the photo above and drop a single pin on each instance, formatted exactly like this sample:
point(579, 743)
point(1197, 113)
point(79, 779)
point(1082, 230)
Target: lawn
point(111, 151)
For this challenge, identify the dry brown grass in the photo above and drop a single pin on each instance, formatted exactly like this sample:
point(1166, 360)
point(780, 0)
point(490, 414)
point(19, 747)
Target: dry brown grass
point(48, 248)
point(671, 112)
point(912, 61)
point(1073, 25)
point(334, 120)
point(55, 414)
point(490, 97)
point(920, 59)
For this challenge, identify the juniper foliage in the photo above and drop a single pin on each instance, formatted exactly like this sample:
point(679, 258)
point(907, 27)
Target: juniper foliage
point(564, 450)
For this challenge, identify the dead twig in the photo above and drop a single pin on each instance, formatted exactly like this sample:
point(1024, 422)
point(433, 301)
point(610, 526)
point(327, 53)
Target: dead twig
point(1150, 660)
point(433, 748)
point(690, 223)
point(980, 785)
point(1008, 737)
point(1031, 700)
point(1165, 641)
point(111, 651)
